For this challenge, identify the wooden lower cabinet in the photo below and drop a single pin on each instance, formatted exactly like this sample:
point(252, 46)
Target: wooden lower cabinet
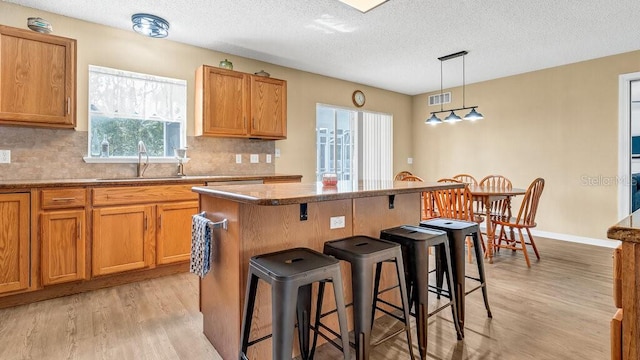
point(14, 242)
point(122, 239)
point(174, 231)
point(63, 246)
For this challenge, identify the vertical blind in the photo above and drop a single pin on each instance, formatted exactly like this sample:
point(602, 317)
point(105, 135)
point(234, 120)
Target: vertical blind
point(377, 146)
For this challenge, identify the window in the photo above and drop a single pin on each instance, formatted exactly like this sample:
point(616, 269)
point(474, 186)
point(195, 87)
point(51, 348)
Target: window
point(127, 107)
point(355, 145)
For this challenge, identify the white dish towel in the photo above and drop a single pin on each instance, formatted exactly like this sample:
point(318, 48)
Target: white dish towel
point(201, 238)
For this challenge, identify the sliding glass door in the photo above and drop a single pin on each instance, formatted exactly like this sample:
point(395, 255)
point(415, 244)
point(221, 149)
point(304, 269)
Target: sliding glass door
point(355, 145)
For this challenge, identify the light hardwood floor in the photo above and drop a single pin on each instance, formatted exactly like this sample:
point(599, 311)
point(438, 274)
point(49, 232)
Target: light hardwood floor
point(560, 308)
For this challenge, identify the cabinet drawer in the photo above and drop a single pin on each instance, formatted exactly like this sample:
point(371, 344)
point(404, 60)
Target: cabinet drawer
point(63, 198)
point(142, 194)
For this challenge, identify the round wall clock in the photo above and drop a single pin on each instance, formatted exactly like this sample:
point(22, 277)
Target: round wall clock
point(358, 98)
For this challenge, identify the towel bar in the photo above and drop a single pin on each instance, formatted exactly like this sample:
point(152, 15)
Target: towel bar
point(216, 224)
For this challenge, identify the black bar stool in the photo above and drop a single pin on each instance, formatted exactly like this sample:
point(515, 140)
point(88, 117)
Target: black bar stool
point(291, 274)
point(457, 231)
point(363, 252)
point(415, 242)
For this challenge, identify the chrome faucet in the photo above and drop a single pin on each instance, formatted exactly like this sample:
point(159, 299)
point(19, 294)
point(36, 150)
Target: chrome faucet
point(142, 167)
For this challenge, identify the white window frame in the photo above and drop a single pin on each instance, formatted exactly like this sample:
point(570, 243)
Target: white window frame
point(134, 159)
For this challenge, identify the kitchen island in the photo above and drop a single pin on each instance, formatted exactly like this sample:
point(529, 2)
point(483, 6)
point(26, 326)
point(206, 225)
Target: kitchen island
point(272, 217)
point(625, 339)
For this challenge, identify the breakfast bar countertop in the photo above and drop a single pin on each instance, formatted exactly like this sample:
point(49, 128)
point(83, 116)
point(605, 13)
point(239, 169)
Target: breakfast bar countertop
point(297, 193)
point(627, 229)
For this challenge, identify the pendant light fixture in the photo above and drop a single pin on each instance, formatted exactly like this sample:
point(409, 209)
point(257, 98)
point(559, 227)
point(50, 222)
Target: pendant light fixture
point(150, 25)
point(453, 117)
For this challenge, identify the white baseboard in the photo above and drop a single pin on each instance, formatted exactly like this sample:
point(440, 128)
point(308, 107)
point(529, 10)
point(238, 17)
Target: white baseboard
point(572, 238)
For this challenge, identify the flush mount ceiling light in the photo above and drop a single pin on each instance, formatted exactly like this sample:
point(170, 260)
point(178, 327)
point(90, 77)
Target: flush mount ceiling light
point(364, 5)
point(150, 25)
point(453, 117)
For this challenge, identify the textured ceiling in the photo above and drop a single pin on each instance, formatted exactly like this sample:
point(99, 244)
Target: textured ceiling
point(394, 46)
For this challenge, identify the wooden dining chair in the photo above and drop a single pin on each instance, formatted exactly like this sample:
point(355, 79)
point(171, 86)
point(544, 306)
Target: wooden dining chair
point(428, 205)
point(497, 181)
point(400, 176)
point(501, 207)
point(411, 178)
point(466, 178)
point(526, 219)
point(458, 205)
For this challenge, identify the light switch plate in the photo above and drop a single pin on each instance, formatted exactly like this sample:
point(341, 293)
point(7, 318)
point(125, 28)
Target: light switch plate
point(277, 152)
point(254, 158)
point(268, 159)
point(409, 161)
point(238, 158)
point(5, 156)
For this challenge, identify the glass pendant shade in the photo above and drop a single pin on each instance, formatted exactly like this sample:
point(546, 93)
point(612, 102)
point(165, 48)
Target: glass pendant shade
point(433, 120)
point(452, 118)
point(473, 115)
point(150, 25)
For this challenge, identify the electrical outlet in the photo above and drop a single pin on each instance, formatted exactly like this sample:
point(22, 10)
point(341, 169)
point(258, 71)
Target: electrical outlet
point(409, 161)
point(238, 158)
point(337, 222)
point(254, 158)
point(5, 156)
point(277, 152)
point(268, 159)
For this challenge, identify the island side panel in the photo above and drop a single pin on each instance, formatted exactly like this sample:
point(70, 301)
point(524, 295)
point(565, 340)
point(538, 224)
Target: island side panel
point(265, 229)
point(630, 300)
point(221, 289)
point(372, 214)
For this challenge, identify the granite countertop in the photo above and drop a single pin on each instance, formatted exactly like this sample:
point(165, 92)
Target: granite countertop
point(297, 193)
point(628, 229)
point(133, 181)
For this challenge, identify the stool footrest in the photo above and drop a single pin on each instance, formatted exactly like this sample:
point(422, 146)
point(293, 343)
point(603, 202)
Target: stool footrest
point(253, 342)
point(439, 309)
point(474, 289)
point(389, 336)
point(316, 329)
point(440, 291)
point(388, 312)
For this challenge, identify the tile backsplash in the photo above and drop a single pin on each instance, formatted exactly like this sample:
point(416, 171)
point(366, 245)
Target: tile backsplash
point(58, 154)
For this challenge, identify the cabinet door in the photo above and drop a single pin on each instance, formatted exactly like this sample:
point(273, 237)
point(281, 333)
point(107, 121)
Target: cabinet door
point(221, 102)
point(174, 231)
point(122, 239)
point(268, 107)
point(14, 242)
point(63, 246)
point(37, 79)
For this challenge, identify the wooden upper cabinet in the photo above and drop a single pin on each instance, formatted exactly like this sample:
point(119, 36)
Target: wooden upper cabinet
point(222, 102)
point(268, 108)
point(37, 79)
point(235, 104)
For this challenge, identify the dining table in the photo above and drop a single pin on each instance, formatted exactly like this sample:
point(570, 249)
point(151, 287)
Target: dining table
point(485, 195)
